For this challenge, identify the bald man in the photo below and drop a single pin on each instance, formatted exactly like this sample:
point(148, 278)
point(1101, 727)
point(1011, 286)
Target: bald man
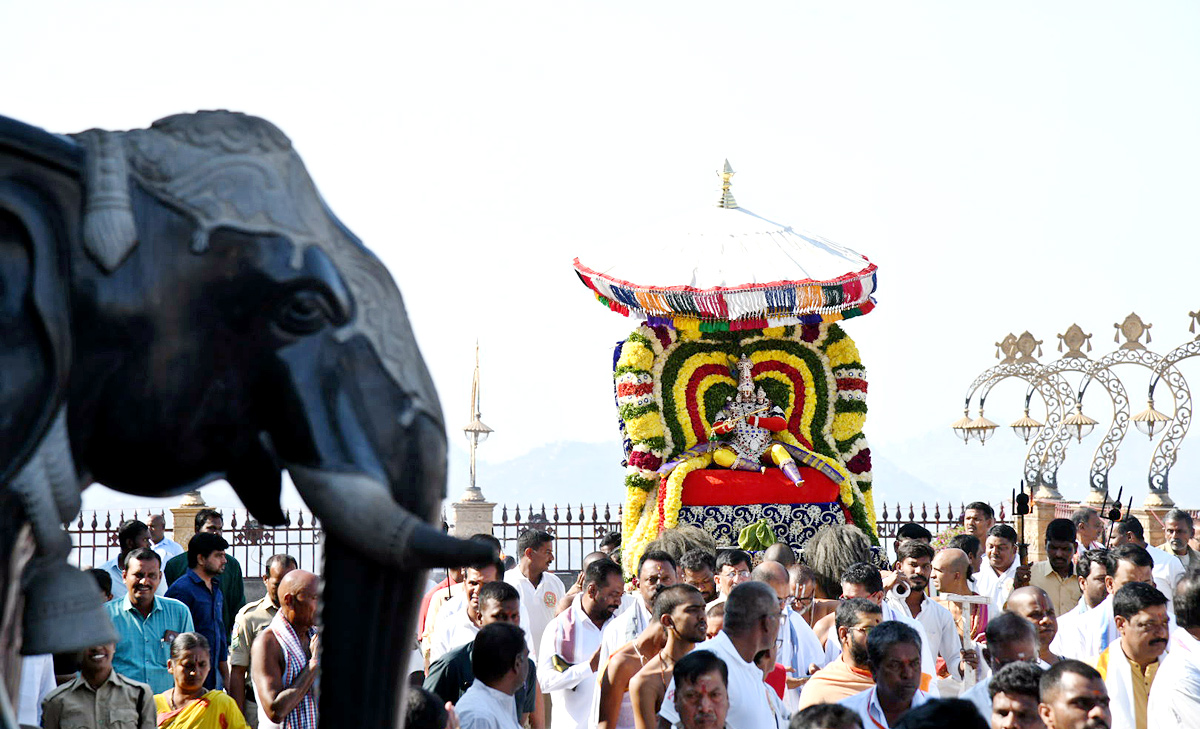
point(565, 601)
point(780, 552)
point(951, 568)
point(284, 659)
point(1034, 604)
point(801, 649)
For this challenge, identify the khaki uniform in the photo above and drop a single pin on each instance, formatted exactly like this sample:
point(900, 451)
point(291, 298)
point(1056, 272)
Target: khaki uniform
point(1064, 592)
point(251, 620)
point(119, 703)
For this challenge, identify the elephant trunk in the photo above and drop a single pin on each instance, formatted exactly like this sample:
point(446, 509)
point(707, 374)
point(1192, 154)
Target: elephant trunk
point(362, 513)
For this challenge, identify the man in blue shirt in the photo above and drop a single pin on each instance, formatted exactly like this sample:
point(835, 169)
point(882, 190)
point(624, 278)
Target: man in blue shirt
point(199, 589)
point(145, 622)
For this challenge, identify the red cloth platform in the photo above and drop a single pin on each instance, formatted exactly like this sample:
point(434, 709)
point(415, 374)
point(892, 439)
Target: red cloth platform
point(720, 486)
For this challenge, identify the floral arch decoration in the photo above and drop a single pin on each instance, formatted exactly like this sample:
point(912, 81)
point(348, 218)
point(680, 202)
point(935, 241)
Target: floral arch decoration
point(670, 383)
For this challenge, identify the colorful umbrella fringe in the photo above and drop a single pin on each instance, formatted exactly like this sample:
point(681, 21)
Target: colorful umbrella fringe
point(738, 308)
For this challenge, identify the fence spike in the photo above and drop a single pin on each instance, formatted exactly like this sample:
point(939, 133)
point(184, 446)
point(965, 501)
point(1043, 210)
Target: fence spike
point(924, 516)
point(595, 515)
point(555, 511)
point(606, 516)
point(885, 512)
point(937, 512)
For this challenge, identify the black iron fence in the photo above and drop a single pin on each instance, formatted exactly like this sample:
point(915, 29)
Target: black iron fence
point(94, 536)
point(889, 521)
point(578, 530)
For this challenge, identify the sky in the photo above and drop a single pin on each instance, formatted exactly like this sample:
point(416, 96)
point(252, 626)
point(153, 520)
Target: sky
point(1013, 167)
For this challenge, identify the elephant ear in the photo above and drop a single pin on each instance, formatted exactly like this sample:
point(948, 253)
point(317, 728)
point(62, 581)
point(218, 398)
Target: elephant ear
point(39, 186)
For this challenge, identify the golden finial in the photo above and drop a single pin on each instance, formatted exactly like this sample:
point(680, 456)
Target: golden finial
point(727, 200)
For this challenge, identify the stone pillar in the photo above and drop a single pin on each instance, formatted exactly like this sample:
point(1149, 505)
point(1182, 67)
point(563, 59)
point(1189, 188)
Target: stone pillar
point(183, 518)
point(1152, 523)
point(473, 515)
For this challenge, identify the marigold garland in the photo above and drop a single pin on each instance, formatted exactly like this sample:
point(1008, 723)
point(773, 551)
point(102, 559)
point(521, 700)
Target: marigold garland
point(848, 425)
point(645, 530)
point(674, 494)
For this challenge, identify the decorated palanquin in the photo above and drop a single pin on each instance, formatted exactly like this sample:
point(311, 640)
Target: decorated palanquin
point(740, 397)
point(670, 386)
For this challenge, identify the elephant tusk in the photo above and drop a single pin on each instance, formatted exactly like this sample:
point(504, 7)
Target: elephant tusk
point(360, 511)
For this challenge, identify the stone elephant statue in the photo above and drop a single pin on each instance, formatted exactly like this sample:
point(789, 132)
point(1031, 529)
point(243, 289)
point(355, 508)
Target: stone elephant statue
point(177, 304)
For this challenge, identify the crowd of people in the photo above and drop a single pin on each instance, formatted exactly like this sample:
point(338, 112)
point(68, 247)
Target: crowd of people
point(191, 653)
point(1104, 633)
point(1101, 634)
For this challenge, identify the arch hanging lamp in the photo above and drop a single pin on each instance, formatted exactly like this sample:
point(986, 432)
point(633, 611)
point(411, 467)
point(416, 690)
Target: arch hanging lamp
point(725, 268)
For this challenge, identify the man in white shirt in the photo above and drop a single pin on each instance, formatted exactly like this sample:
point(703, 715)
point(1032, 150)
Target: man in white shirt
point(1010, 638)
point(751, 625)
point(1167, 569)
point(460, 627)
point(166, 548)
point(1088, 528)
point(540, 588)
point(1033, 604)
point(1175, 697)
point(569, 654)
point(914, 563)
point(800, 647)
point(656, 571)
point(1001, 572)
point(733, 568)
point(500, 662)
point(894, 653)
point(1091, 569)
point(979, 518)
point(1097, 628)
point(865, 580)
point(131, 534)
point(1129, 665)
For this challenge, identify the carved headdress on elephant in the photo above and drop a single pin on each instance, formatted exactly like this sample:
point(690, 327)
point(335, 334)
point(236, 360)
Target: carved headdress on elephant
point(177, 304)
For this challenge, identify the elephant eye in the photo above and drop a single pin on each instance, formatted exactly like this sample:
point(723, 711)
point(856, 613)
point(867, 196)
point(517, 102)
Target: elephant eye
point(303, 312)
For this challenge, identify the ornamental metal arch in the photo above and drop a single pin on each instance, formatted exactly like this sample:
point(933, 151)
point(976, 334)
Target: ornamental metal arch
point(1160, 465)
point(1041, 458)
point(1048, 449)
point(1167, 449)
point(1105, 455)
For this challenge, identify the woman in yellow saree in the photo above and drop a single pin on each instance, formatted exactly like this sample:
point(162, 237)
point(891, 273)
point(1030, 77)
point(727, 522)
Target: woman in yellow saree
point(187, 705)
